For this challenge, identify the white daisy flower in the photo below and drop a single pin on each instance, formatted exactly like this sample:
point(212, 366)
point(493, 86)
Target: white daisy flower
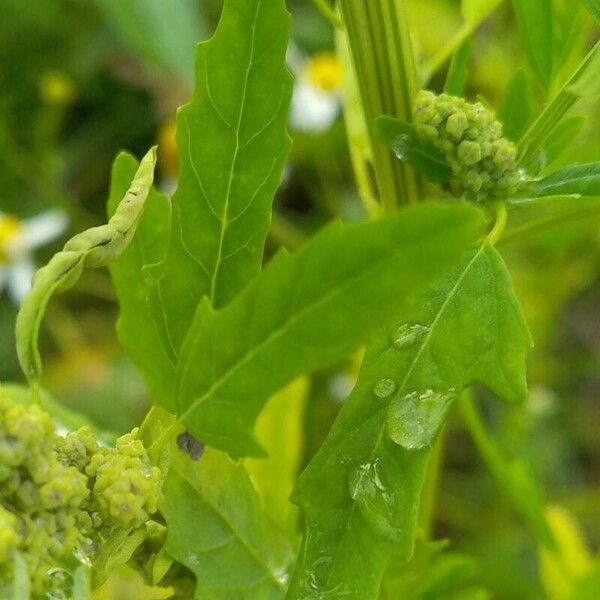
point(316, 101)
point(18, 240)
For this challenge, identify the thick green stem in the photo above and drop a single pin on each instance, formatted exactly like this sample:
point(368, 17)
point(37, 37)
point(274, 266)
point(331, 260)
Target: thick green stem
point(385, 71)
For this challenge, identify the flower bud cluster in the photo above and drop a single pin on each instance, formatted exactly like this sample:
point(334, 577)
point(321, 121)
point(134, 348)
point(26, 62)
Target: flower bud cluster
point(483, 162)
point(60, 496)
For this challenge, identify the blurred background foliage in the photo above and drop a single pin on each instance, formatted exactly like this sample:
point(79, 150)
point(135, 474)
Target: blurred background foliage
point(82, 79)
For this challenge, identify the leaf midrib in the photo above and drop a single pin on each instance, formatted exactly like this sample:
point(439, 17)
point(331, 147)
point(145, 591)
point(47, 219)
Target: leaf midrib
point(225, 213)
point(282, 329)
point(236, 534)
point(409, 372)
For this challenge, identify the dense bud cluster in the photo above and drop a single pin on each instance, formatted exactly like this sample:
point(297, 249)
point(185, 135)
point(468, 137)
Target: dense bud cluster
point(60, 496)
point(470, 137)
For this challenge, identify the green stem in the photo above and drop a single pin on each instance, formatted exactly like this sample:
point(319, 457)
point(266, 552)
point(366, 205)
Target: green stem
point(384, 66)
point(499, 224)
point(328, 12)
point(501, 470)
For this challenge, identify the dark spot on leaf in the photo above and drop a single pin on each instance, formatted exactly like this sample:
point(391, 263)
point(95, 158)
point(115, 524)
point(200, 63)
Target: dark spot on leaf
point(188, 444)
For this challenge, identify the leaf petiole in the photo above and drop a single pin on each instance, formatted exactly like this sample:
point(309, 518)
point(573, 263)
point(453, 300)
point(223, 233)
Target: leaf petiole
point(499, 224)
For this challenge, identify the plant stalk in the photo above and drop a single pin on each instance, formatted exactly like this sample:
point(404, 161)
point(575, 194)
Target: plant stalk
point(385, 71)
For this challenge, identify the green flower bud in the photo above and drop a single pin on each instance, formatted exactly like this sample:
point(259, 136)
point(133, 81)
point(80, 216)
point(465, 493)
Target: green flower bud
point(469, 153)
point(9, 538)
point(505, 155)
point(483, 163)
point(456, 125)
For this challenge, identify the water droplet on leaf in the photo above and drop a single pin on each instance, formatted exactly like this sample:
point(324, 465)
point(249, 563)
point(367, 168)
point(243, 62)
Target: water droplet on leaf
point(375, 500)
point(406, 335)
point(384, 388)
point(401, 146)
point(414, 420)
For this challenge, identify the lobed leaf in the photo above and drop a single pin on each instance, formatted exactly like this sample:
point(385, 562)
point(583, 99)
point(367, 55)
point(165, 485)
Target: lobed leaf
point(95, 247)
point(232, 145)
point(309, 310)
point(362, 488)
point(217, 528)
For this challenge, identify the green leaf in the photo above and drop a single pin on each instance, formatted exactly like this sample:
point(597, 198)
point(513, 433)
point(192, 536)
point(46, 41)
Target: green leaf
point(217, 528)
point(150, 352)
point(424, 157)
point(362, 489)
point(537, 30)
point(579, 179)
point(516, 110)
point(458, 72)
point(593, 6)
point(306, 311)
point(583, 83)
point(148, 27)
point(232, 145)
point(530, 215)
point(21, 587)
point(95, 247)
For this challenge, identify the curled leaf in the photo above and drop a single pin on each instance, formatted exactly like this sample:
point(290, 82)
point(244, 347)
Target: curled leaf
point(93, 248)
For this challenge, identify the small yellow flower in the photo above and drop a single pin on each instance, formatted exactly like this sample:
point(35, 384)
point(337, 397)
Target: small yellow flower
point(324, 70)
point(316, 102)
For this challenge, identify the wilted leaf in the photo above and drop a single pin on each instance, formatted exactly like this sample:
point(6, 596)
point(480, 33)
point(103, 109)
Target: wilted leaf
point(95, 247)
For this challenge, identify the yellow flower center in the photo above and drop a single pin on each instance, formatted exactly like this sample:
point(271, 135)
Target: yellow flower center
point(325, 71)
point(9, 229)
